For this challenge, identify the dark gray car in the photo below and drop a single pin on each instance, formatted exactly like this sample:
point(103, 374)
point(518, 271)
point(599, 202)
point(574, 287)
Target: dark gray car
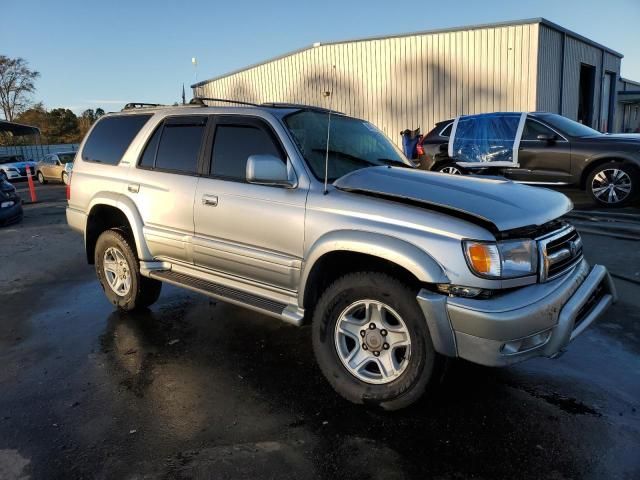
point(555, 150)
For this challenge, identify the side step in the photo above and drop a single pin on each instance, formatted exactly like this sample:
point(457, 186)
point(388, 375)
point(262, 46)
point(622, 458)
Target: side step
point(220, 291)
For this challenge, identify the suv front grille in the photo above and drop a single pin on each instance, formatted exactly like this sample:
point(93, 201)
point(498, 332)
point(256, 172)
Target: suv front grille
point(559, 253)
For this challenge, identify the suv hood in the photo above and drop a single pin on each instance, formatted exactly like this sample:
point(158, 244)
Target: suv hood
point(500, 202)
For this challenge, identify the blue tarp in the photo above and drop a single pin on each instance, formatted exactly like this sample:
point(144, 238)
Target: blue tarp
point(494, 138)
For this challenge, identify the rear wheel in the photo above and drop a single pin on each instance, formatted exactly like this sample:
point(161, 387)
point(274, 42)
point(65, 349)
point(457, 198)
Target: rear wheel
point(118, 271)
point(41, 179)
point(65, 178)
point(613, 184)
point(371, 341)
point(448, 167)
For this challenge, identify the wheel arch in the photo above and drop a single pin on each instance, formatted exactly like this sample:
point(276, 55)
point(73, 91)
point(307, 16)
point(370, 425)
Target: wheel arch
point(108, 210)
point(341, 252)
point(595, 162)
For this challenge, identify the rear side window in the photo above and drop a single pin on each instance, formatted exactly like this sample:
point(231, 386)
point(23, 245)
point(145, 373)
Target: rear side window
point(234, 144)
point(175, 145)
point(111, 137)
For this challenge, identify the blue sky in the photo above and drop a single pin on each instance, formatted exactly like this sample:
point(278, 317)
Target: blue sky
point(94, 53)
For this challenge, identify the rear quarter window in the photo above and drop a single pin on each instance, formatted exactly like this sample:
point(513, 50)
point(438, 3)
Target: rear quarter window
point(111, 137)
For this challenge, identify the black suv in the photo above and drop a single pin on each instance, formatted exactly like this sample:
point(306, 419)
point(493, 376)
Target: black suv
point(555, 150)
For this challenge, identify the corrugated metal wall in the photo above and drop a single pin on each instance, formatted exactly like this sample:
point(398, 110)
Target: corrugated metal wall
point(401, 82)
point(627, 116)
point(560, 64)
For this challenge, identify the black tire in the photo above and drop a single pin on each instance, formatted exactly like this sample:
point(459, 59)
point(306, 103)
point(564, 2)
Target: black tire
point(424, 363)
point(143, 291)
point(41, 178)
point(446, 167)
point(602, 175)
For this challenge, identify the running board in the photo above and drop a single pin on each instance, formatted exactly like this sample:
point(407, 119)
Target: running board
point(264, 305)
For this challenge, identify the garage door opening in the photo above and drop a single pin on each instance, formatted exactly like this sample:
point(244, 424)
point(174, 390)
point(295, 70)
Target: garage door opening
point(585, 95)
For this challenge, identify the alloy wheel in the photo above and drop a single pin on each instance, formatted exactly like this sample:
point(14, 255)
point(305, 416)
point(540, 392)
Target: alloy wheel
point(117, 271)
point(611, 185)
point(451, 170)
point(372, 342)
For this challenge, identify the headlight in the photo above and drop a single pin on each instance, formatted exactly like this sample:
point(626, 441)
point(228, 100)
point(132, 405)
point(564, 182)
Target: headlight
point(506, 259)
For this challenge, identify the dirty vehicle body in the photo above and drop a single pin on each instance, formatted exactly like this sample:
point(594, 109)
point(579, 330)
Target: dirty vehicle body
point(555, 150)
point(395, 268)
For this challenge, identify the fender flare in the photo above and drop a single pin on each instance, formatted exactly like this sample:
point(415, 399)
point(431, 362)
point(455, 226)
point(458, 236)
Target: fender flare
point(404, 254)
point(126, 206)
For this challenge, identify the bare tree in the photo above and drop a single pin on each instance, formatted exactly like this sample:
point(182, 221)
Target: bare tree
point(17, 81)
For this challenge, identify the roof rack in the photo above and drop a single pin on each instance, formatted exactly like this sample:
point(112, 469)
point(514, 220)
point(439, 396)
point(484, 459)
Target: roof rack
point(201, 100)
point(301, 106)
point(132, 105)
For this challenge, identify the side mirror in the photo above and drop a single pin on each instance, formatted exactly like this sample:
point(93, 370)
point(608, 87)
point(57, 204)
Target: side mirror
point(268, 170)
point(544, 137)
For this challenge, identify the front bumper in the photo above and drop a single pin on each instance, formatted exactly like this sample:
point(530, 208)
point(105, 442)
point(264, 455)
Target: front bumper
point(538, 320)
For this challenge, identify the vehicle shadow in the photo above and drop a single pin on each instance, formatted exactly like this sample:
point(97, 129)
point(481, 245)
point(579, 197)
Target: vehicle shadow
point(214, 373)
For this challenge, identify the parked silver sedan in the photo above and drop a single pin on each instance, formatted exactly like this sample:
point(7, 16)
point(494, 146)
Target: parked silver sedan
point(56, 167)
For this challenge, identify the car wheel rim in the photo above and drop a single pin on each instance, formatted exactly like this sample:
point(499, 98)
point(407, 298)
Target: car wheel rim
point(611, 185)
point(451, 170)
point(372, 342)
point(117, 271)
point(65, 178)
point(40, 178)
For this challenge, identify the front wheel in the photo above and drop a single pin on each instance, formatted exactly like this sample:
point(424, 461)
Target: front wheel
point(371, 341)
point(118, 271)
point(613, 184)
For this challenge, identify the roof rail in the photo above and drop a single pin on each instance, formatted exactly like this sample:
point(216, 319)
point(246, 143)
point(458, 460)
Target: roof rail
point(201, 100)
point(132, 105)
point(301, 106)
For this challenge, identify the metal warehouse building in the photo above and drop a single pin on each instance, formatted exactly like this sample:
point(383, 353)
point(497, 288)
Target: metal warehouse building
point(417, 79)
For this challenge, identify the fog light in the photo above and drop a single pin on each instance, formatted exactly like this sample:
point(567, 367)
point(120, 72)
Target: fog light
point(460, 291)
point(525, 344)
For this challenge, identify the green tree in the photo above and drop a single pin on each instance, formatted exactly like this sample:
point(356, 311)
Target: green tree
point(17, 82)
point(62, 126)
point(99, 112)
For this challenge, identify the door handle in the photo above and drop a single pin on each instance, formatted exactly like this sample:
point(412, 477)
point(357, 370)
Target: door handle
point(210, 200)
point(133, 187)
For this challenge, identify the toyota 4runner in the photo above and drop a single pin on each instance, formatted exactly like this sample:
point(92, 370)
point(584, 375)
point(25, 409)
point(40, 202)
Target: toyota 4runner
point(395, 268)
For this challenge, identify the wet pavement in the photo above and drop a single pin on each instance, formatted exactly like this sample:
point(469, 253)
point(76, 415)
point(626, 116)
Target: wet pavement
point(197, 388)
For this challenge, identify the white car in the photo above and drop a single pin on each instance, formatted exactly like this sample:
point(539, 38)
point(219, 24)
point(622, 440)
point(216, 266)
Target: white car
point(14, 167)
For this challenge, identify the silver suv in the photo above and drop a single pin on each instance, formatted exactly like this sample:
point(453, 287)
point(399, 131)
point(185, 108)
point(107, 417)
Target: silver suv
point(395, 268)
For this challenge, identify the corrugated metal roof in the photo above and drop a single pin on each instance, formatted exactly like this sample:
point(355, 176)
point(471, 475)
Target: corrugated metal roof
point(537, 20)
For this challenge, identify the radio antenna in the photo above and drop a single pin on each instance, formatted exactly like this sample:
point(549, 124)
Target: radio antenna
point(326, 155)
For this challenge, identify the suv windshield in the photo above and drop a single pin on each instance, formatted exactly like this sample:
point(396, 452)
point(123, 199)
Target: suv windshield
point(571, 128)
point(353, 143)
point(66, 157)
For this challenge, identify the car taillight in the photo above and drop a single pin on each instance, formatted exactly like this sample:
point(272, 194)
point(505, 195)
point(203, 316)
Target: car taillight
point(69, 186)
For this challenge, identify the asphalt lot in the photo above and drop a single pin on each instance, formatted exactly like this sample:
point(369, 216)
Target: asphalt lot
point(195, 388)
